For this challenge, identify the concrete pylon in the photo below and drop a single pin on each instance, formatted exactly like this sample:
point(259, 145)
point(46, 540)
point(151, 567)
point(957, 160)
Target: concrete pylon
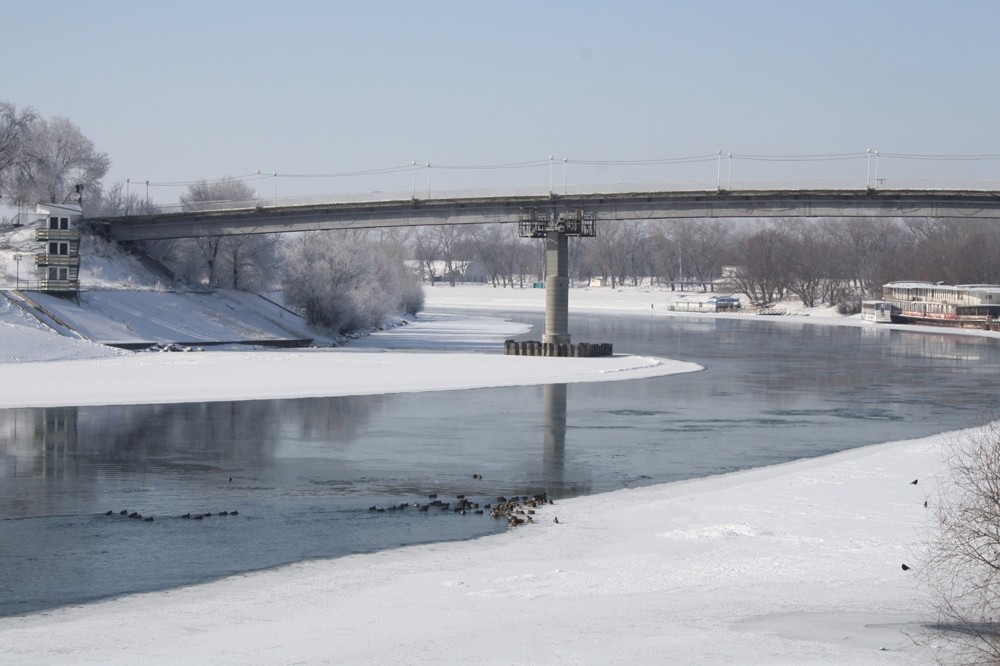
point(556, 287)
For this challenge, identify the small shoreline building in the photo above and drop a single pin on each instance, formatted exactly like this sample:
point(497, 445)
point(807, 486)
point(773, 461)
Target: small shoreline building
point(58, 266)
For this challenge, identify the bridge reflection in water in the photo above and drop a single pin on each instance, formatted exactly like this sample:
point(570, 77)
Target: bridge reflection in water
point(554, 433)
point(103, 449)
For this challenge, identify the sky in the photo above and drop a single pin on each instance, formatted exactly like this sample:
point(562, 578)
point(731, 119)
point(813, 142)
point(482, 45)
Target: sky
point(180, 91)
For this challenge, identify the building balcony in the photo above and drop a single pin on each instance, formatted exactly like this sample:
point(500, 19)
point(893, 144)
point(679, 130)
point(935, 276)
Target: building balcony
point(57, 234)
point(72, 259)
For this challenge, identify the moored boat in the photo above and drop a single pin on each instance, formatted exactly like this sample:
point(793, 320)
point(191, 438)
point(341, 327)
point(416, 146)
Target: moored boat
point(975, 305)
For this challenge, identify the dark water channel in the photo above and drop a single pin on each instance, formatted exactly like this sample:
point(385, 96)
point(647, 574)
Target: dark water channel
point(303, 473)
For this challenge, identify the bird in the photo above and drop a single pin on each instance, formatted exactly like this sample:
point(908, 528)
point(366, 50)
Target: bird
point(906, 568)
point(914, 482)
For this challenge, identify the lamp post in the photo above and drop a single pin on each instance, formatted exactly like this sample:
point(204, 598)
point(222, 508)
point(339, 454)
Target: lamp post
point(17, 270)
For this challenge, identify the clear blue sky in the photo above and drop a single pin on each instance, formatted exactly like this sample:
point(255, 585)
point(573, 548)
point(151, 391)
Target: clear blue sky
point(183, 90)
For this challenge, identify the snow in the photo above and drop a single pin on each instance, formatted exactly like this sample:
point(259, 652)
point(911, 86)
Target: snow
point(793, 564)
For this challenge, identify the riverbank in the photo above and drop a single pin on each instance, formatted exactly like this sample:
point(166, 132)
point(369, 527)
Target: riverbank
point(794, 564)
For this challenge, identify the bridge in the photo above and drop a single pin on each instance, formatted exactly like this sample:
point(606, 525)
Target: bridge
point(483, 207)
point(550, 216)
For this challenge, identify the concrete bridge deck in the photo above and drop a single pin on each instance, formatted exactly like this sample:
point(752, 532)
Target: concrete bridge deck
point(250, 217)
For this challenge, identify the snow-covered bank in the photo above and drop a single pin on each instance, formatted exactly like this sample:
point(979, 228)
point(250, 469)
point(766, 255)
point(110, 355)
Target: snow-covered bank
point(795, 564)
point(367, 367)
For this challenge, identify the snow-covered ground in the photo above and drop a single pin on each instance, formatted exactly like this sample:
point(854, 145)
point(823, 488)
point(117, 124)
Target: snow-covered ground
point(793, 564)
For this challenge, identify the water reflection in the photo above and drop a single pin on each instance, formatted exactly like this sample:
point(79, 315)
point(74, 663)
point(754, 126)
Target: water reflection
point(39, 442)
point(554, 430)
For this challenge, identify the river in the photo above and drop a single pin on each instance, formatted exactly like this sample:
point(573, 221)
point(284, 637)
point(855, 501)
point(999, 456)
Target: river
point(304, 475)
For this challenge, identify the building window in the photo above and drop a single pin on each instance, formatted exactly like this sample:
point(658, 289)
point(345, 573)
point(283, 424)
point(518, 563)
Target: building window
point(56, 273)
point(59, 249)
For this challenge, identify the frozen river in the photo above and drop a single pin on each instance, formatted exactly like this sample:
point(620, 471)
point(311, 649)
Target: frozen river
point(303, 474)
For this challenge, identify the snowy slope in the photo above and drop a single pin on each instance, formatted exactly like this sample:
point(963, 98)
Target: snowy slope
point(187, 317)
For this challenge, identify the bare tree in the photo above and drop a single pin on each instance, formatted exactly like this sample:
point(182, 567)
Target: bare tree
point(874, 250)
point(662, 256)
point(606, 254)
point(813, 261)
point(425, 250)
point(963, 566)
point(246, 262)
point(450, 241)
point(762, 271)
point(116, 200)
point(488, 241)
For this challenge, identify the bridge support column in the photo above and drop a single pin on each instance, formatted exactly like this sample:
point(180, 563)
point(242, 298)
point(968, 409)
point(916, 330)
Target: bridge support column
point(556, 288)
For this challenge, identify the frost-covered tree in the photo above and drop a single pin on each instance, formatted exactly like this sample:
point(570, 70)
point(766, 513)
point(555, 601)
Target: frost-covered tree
point(58, 164)
point(963, 557)
point(15, 130)
point(343, 282)
point(116, 200)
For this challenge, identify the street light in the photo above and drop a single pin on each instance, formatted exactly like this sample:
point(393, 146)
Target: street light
point(17, 273)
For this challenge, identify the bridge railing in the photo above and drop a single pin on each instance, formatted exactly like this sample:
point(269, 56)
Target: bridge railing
point(745, 185)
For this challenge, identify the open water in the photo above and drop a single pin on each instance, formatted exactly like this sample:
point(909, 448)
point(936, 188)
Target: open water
point(303, 474)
